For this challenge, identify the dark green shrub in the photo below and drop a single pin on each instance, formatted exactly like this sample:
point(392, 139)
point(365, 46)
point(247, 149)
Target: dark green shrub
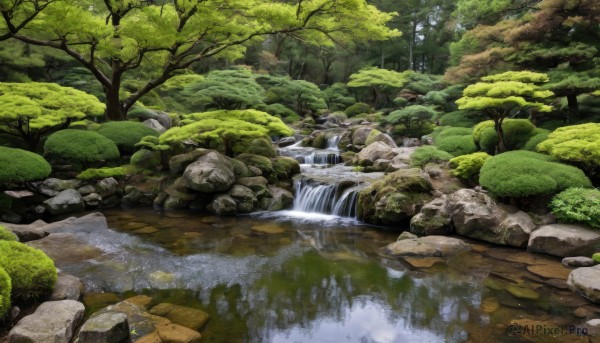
point(454, 140)
point(428, 154)
point(576, 143)
point(525, 173)
point(5, 290)
point(141, 114)
point(414, 118)
point(358, 108)
point(468, 166)
point(537, 136)
point(280, 111)
point(80, 145)
point(32, 273)
point(18, 165)
point(516, 134)
point(125, 134)
point(460, 119)
point(7, 235)
point(577, 205)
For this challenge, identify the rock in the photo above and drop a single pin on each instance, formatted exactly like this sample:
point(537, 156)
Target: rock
point(239, 168)
point(143, 322)
point(423, 262)
point(269, 229)
point(178, 163)
point(210, 173)
point(12, 217)
point(255, 183)
point(52, 321)
point(434, 172)
point(66, 248)
point(223, 205)
point(434, 219)
point(146, 159)
point(88, 223)
point(522, 292)
point(360, 135)
point(255, 171)
point(514, 230)
point(578, 261)
point(92, 200)
point(111, 201)
point(564, 240)
point(30, 232)
point(173, 333)
point(474, 214)
point(107, 327)
point(373, 152)
point(593, 327)
point(67, 201)
point(430, 246)
point(68, 287)
point(107, 187)
point(585, 281)
point(376, 136)
point(286, 141)
point(244, 198)
point(549, 271)
point(406, 235)
point(411, 142)
point(381, 165)
point(19, 194)
point(281, 199)
point(185, 316)
point(51, 187)
point(164, 119)
point(154, 125)
point(87, 189)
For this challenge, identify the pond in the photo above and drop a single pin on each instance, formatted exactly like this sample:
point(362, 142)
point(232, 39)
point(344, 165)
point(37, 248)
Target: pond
point(277, 277)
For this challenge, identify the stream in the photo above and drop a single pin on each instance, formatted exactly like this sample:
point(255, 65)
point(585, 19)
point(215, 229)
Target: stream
point(313, 274)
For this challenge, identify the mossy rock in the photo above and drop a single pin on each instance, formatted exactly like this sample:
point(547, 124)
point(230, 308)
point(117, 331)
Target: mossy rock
point(258, 146)
point(239, 168)
point(596, 257)
point(285, 167)
point(264, 164)
point(396, 198)
point(32, 273)
point(5, 290)
point(145, 159)
point(320, 141)
point(178, 163)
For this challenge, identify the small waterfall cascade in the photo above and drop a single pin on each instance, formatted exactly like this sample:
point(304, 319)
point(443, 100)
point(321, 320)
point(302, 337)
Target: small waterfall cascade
point(336, 199)
point(305, 155)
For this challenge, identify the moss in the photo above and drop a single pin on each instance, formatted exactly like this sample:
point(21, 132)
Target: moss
point(145, 159)
point(596, 257)
point(372, 137)
point(103, 173)
point(80, 145)
point(32, 272)
point(258, 146)
point(525, 173)
point(358, 108)
point(468, 166)
point(18, 165)
point(5, 290)
point(7, 235)
point(428, 154)
point(125, 134)
point(239, 168)
point(264, 164)
point(285, 167)
point(320, 141)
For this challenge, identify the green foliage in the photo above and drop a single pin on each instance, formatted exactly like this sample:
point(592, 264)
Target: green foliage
point(5, 290)
point(414, 118)
point(32, 273)
point(575, 143)
point(280, 111)
point(301, 96)
point(103, 173)
point(152, 143)
point(7, 235)
point(141, 114)
point(125, 134)
point(260, 162)
point(381, 82)
point(428, 154)
point(30, 110)
point(536, 137)
point(420, 83)
point(80, 145)
point(454, 140)
point(18, 165)
point(337, 97)
point(516, 134)
point(468, 166)
point(460, 119)
point(525, 173)
point(145, 159)
point(358, 109)
point(258, 146)
point(577, 205)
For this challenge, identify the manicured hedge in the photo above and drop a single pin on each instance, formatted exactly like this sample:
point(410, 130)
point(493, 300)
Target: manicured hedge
point(456, 141)
point(80, 145)
point(126, 134)
point(358, 108)
point(428, 154)
point(468, 166)
point(18, 165)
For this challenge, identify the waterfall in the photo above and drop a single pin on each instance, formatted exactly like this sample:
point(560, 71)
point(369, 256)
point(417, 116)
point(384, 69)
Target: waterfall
point(332, 143)
point(323, 157)
point(329, 155)
point(332, 199)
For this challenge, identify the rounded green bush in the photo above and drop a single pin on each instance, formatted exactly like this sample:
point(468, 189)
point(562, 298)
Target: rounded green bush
point(125, 134)
point(145, 158)
point(18, 165)
point(468, 166)
point(516, 134)
point(577, 205)
point(5, 289)
point(80, 145)
point(428, 154)
point(596, 257)
point(575, 143)
point(537, 136)
point(454, 140)
point(358, 108)
point(32, 272)
point(526, 173)
point(458, 119)
point(7, 235)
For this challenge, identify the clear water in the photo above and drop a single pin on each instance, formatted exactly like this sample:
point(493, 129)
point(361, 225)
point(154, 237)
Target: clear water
point(316, 279)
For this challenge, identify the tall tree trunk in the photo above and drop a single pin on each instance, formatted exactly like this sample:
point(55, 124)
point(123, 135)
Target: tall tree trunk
point(114, 109)
point(573, 106)
point(498, 126)
point(382, 58)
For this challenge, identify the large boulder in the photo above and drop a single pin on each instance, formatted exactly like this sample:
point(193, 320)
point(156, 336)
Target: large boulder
point(255, 183)
point(51, 187)
point(188, 317)
point(430, 246)
point(377, 136)
point(107, 327)
point(564, 240)
point(210, 173)
point(244, 198)
point(374, 152)
point(178, 163)
point(586, 281)
point(360, 135)
point(67, 201)
point(223, 205)
point(107, 187)
point(396, 198)
point(88, 223)
point(28, 232)
point(280, 199)
point(473, 213)
point(67, 287)
point(434, 218)
point(52, 321)
point(154, 125)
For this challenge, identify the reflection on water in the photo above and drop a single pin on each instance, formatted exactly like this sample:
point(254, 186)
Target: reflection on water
point(282, 279)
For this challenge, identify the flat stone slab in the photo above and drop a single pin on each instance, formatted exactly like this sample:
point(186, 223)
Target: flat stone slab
point(586, 282)
point(29, 232)
point(191, 318)
point(52, 322)
point(564, 240)
point(68, 287)
point(429, 246)
point(108, 327)
point(578, 261)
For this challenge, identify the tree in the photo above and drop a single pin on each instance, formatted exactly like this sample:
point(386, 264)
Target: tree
point(32, 110)
point(414, 118)
point(301, 96)
point(18, 14)
point(115, 38)
point(382, 83)
point(569, 83)
point(505, 95)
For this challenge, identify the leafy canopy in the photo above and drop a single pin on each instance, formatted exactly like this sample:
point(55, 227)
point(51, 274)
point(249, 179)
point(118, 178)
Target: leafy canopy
point(575, 143)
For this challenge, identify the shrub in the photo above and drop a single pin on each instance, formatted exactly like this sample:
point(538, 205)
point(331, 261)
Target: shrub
point(456, 141)
point(280, 111)
point(537, 136)
point(577, 205)
point(575, 143)
point(516, 134)
point(18, 165)
point(80, 145)
point(525, 173)
point(414, 118)
point(125, 134)
point(459, 119)
point(428, 154)
point(32, 272)
point(358, 108)
point(5, 290)
point(7, 235)
point(103, 173)
point(596, 257)
point(468, 166)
